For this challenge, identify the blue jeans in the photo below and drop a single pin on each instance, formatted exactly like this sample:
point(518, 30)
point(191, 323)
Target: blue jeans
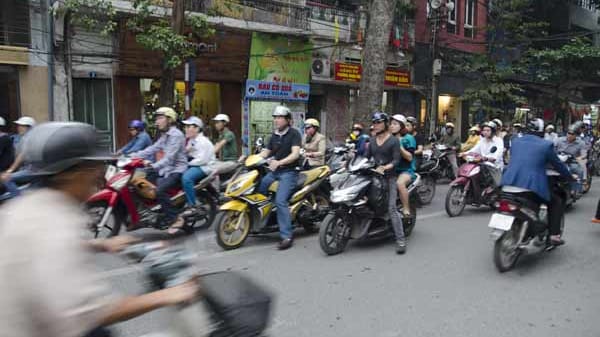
point(287, 184)
point(575, 168)
point(11, 184)
point(189, 180)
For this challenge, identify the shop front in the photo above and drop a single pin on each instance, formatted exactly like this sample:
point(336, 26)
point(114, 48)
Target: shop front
point(278, 74)
point(217, 73)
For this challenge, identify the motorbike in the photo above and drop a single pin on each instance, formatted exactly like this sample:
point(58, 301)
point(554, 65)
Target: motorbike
point(441, 152)
point(520, 224)
point(568, 159)
point(231, 304)
point(470, 187)
point(429, 171)
point(356, 208)
point(128, 197)
point(248, 212)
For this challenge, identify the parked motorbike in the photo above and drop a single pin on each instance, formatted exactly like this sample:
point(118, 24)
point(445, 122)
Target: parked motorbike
point(470, 187)
point(429, 170)
point(249, 212)
point(231, 304)
point(520, 225)
point(131, 199)
point(357, 210)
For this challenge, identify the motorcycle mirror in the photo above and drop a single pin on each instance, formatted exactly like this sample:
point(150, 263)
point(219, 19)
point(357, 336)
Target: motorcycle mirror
point(493, 149)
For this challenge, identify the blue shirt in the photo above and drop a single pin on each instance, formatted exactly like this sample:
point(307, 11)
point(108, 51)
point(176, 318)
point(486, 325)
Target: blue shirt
point(172, 143)
point(138, 143)
point(409, 143)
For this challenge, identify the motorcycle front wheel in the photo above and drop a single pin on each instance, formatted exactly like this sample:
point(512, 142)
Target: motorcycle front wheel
point(96, 211)
point(230, 223)
point(455, 200)
point(426, 190)
point(333, 235)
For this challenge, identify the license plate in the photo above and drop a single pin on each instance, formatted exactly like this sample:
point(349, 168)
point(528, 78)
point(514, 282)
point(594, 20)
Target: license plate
point(501, 221)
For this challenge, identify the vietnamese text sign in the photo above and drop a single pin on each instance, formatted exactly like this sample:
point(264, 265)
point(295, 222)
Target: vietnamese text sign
point(277, 90)
point(352, 72)
point(276, 58)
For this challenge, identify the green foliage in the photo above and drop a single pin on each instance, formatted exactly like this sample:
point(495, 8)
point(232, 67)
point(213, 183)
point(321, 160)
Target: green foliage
point(153, 30)
point(96, 15)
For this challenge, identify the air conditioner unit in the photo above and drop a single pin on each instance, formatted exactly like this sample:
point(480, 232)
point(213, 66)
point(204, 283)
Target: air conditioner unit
point(320, 68)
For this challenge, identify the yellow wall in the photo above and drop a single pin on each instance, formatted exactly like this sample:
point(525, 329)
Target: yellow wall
point(206, 101)
point(33, 83)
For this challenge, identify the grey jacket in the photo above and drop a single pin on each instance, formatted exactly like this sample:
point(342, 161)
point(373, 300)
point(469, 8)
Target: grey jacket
point(172, 143)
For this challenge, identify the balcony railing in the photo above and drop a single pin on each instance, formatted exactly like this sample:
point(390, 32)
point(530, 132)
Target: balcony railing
point(264, 11)
point(586, 4)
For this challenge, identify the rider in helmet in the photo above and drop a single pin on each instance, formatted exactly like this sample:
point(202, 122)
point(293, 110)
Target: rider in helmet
point(167, 170)
point(573, 145)
point(493, 160)
point(19, 167)
point(472, 140)
point(201, 152)
point(358, 138)
point(226, 145)
point(550, 134)
point(452, 141)
point(313, 143)
point(527, 170)
point(283, 152)
point(53, 279)
point(384, 150)
point(413, 124)
point(140, 138)
point(407, 166)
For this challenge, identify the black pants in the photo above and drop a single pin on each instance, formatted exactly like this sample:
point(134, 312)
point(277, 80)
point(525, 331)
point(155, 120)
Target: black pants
point(163, 185)
point(556, 209)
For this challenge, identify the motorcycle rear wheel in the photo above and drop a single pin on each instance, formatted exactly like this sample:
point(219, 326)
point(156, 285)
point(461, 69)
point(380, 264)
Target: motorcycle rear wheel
point(455, 201)
point(426, 190)
point(332, 235)
point(96, 211)
point(209, 205)
point(506, 253)
point(225, 223)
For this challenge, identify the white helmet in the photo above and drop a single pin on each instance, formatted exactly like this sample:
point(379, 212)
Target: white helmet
point(221, 118)
point(282, 111)
point(193, 120)
point(399, 118)
point(26, 121)
point(498, 123)
point(535, 125)
point(2, 121)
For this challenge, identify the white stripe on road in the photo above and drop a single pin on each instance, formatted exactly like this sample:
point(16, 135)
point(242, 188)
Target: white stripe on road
point(136, 268)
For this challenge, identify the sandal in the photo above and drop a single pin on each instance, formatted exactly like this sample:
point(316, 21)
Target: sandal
point(557, 241)
point(178, 227)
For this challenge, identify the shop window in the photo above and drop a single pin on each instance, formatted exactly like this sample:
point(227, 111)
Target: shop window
point(92, 104)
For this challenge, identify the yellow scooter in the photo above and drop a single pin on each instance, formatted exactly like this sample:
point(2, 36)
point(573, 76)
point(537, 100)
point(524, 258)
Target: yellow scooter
point(249, 212)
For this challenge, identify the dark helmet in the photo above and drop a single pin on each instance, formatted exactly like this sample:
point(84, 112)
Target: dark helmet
point(137, 124)
point(379, 116)
point(576, 127)
point(54, 147)
point(412, 120)
point(535, 126)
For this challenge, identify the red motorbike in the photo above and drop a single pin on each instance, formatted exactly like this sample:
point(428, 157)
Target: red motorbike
point(129, 198)
point(470, 187)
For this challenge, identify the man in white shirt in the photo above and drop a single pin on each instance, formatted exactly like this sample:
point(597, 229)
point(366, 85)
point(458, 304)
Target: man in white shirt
point(492, 160)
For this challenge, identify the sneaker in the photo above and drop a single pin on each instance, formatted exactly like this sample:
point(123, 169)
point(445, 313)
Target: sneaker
point(285, 244)
point(401, 246)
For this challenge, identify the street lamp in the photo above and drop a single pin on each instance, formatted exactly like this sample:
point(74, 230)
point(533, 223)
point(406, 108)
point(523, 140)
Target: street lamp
point(439, 10)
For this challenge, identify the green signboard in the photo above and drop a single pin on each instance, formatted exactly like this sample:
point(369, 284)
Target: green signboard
point(276, 58)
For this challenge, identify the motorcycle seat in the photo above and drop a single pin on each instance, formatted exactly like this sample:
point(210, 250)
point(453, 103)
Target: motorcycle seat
point(304, 177)
point(514, 189)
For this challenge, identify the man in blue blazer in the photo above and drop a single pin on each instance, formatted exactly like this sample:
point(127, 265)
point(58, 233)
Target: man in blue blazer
point(527, 169)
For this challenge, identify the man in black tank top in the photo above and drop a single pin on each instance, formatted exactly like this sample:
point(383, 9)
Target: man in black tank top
point(385, 151)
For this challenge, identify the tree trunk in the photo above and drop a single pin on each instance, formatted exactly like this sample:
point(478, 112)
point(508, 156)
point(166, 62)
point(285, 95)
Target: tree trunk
point(167, 78)
point(381, 16)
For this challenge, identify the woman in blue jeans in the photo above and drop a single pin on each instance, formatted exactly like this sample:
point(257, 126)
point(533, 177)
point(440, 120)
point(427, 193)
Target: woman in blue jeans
point(201, 153)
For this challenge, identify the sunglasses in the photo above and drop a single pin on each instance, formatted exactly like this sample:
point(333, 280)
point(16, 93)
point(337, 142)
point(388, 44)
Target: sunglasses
point(377, 122)
point(570, 133)
point(132, 129)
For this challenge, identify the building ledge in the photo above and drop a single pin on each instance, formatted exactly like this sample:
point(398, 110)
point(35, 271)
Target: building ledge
point(14, 55)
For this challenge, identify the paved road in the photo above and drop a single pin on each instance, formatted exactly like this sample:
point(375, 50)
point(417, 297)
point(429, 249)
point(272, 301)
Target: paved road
point(446, 285)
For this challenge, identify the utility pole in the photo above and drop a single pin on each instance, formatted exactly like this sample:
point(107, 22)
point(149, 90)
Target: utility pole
point(167, 80)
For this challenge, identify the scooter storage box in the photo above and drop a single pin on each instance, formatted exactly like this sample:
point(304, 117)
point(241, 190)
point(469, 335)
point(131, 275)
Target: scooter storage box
point(241, 307)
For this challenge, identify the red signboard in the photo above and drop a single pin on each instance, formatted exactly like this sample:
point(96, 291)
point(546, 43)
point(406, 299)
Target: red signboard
point(352, 72)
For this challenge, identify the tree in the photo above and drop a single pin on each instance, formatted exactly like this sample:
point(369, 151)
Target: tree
point(381, 14)
point(154, 30)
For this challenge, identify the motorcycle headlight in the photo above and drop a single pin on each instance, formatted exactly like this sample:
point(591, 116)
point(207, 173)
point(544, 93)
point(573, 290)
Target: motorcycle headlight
point(235, 187)
point(111, 170)
point(119, 183)
point(475, 171)
point(342, 196)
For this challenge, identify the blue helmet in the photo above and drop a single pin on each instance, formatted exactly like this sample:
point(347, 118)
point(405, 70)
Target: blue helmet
point(137, 124)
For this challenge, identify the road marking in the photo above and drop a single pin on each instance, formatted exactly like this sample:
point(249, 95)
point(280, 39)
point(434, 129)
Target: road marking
point(203, 240)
